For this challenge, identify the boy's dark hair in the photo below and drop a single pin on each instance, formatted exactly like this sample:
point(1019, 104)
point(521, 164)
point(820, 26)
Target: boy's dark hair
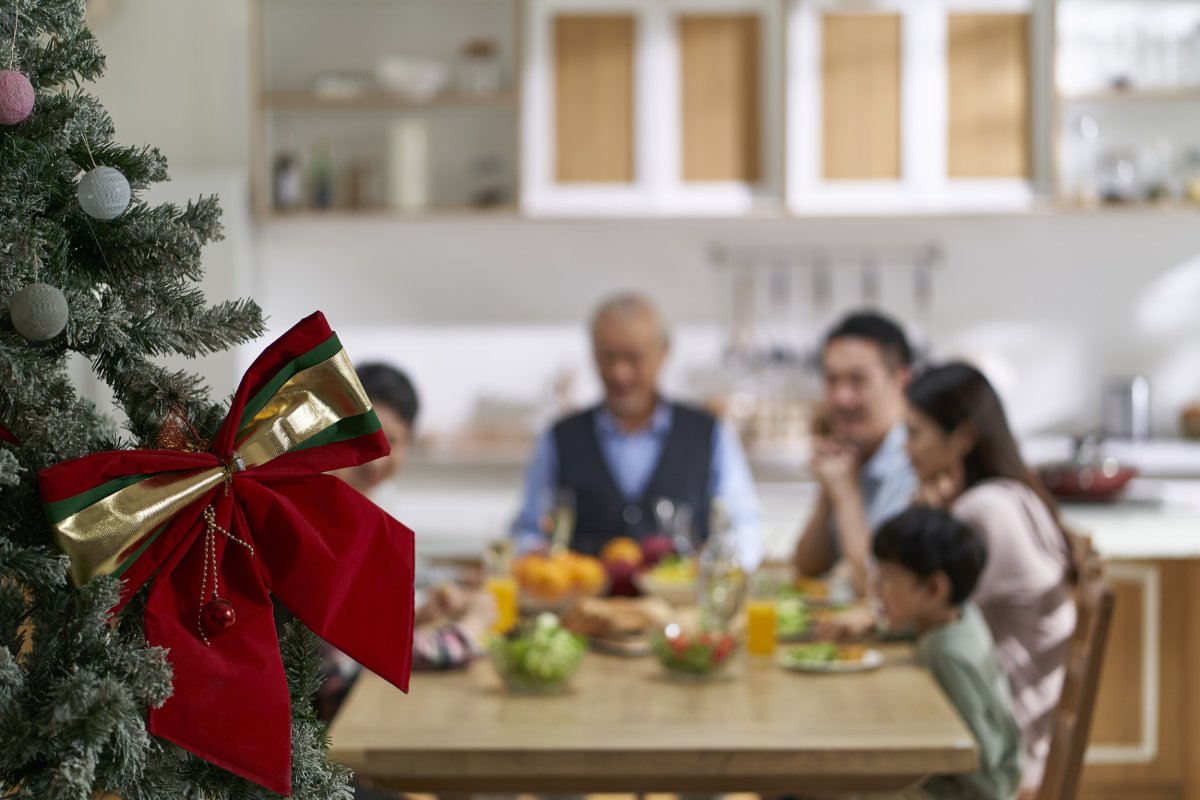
point(388, 386)
point(925, 540)
point(893, 344)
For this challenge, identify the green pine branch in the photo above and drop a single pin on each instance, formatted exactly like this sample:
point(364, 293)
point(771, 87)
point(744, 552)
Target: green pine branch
point(74, 683)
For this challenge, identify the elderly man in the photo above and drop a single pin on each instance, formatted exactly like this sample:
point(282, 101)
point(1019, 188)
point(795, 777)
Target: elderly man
point(862, 466)
point(620, 457)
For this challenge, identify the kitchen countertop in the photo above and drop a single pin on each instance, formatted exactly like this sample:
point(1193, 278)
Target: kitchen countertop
point(1155, 520)
point(454, 512)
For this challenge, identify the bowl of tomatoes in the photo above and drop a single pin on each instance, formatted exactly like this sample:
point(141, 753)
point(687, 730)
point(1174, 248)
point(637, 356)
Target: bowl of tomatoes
point(693, 653)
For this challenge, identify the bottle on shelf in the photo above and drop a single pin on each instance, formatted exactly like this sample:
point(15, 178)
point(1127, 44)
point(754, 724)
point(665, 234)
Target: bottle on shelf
point(321, 172)
point(479, 68)
point(287, 182)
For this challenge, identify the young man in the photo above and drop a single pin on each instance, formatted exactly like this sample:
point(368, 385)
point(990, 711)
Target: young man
point(620, 457)
point(928, 564)
point(861, 465)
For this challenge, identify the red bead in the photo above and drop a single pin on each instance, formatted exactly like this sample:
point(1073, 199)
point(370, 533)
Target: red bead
point(218, 615)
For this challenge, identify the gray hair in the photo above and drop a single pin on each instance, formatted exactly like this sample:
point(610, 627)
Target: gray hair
point(628, 305)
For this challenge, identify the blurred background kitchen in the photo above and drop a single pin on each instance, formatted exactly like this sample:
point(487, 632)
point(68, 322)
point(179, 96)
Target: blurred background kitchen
point(457, 183)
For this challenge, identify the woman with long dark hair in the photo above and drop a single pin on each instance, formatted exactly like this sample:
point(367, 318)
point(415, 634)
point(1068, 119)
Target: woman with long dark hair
point(966, 458)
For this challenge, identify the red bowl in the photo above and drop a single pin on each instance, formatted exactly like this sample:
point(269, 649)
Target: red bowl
point(1087, 482)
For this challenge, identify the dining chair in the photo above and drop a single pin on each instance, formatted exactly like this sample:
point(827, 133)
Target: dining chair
point(1072, 723)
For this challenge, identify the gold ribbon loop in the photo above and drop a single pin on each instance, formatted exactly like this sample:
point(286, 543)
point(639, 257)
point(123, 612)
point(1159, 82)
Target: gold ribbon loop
point(102, 536)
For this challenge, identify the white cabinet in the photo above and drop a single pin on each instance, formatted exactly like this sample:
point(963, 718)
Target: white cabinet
point(651, 106)
point(911, 105)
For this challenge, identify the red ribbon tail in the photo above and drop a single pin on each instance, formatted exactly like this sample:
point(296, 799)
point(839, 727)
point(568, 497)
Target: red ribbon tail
point(230, 703)
point(340, 564)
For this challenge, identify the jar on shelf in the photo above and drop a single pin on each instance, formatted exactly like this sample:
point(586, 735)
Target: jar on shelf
point(1120, 178)
point(287, 181)
point(1189, 173)
point(479, 67)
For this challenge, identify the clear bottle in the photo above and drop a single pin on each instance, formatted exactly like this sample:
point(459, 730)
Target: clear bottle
point(322, 174)
point(720, 578)
point(479, 68)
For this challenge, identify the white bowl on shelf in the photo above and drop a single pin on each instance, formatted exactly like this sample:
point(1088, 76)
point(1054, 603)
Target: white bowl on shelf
point(413, 78)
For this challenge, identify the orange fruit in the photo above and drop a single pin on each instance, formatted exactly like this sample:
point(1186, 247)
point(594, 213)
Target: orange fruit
point(622, 549)
point(523, 566)
point(547, 579)
point(588, 575)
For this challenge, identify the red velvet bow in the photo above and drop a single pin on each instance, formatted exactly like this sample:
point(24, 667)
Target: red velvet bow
point(336, 560)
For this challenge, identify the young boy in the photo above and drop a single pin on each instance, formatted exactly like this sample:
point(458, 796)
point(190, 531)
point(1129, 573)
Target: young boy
point(452, 623)
point(928, 564)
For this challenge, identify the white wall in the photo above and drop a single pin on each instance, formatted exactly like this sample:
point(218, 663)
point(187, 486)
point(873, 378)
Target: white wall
point(1050, 304)
point(177, 77)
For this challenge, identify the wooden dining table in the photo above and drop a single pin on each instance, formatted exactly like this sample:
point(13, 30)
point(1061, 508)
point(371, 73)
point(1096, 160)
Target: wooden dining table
point(623, 725)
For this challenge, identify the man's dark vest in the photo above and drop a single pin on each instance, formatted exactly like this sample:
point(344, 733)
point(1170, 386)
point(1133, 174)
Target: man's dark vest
point(601, 511)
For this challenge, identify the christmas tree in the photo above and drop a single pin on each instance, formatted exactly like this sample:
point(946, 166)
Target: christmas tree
point(87, 268)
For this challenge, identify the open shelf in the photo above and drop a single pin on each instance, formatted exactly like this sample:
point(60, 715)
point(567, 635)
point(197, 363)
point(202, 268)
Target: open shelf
point(382, 100)
point(1190, 94)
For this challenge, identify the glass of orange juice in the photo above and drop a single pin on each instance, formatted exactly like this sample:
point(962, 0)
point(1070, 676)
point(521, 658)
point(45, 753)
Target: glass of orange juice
point(497, 563)
point(761, 617)
point(504, 592)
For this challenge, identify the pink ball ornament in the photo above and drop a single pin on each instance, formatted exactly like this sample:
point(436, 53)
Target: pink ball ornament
point(16, 97)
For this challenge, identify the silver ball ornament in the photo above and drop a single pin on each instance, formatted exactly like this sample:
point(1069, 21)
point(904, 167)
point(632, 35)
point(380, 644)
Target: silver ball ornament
point(104, 193)
point(16, 97)
point(39, 311)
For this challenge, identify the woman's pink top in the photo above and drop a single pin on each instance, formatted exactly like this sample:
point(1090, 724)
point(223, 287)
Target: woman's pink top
point(1027, 601)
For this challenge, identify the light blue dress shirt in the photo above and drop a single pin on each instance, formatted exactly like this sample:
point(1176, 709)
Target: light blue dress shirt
point(887, 482)
point(632, 458)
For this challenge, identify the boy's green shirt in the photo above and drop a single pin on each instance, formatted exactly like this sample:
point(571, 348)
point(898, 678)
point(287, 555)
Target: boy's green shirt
point(960, 657)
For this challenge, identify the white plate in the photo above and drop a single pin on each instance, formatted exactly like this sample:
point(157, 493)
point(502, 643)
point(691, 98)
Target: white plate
point(872, 659)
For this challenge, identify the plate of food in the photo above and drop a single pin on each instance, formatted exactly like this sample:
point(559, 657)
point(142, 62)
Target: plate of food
point(618, 625)
point(795, 621)
point(821, 593)
point(830, 657)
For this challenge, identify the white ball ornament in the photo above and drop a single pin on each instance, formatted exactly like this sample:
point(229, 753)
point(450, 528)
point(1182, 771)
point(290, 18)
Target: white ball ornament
point(16, 97)
point(39, 312)
point(104, 193)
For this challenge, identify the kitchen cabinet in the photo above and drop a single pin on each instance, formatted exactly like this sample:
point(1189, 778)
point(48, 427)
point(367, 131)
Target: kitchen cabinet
point(725, 107)
point(1146, 730)
point(654, 107)
point(910, 106)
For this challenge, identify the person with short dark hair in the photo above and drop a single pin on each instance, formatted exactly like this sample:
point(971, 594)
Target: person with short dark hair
point(451, 622)
point(928, 566)
point(860, 462)
point(395, 402)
